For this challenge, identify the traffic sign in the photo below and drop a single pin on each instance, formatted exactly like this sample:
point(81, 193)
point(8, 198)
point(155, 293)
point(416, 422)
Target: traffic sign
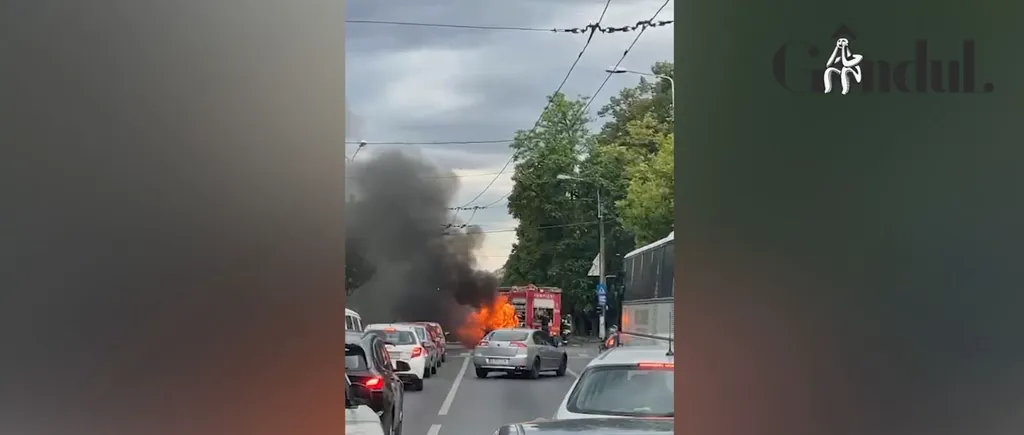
point(601, 289)
point(602, 299)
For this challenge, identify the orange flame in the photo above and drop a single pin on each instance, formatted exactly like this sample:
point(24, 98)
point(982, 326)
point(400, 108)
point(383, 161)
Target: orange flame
point(500, 314)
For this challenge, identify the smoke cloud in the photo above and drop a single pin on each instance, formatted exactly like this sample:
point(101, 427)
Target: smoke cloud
point(397, 225)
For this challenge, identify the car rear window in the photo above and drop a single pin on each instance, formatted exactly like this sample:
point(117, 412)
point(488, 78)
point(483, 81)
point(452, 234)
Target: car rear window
point(628, 391)
point(421, 332)
point(355, 359)
point(508, 336)
point(399, 338)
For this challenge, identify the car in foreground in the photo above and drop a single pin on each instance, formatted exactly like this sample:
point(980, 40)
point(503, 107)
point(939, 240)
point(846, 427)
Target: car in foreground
point(519, 351)
point(359, 418)
point(367, 364)
point(596, 426)
point(623, 382)
point(402, 344)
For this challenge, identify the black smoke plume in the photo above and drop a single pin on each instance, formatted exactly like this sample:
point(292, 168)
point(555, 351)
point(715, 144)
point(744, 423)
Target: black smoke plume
point(411, 261)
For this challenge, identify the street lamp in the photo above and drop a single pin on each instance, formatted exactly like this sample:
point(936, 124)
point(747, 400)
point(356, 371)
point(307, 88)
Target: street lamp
point(600, 255)
point(671, 83)
point(362, 144)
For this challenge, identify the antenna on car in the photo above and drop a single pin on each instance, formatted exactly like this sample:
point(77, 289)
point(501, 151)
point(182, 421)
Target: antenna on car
point(671, 327)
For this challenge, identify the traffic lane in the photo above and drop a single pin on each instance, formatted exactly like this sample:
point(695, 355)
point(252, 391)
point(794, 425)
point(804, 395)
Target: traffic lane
point(483, 405)
point(421, 406)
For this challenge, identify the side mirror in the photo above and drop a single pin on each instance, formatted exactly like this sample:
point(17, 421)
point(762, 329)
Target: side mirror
point(402, 366)
point(446, 333)
point(428, 343)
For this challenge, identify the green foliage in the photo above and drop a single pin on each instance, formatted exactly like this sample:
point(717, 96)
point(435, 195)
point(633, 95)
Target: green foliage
point(629, 162)
point(548, 252)
point(648, 209)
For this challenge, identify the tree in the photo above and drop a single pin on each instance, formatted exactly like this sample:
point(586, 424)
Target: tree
point(648, 208)
point(629, 162)
point(640, 122)
point(551, 241)
point(358, 270)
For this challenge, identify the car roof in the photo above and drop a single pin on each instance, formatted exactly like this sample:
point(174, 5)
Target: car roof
point(397, 326)
point(632, 355)
point(526, 330)
point(361, 339)
point(609, 426)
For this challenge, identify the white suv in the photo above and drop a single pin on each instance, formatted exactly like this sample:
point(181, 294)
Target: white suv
point(403, 344)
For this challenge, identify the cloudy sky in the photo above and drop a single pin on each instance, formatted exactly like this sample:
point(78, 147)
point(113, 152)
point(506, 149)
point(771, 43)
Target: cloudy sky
point(415, 84)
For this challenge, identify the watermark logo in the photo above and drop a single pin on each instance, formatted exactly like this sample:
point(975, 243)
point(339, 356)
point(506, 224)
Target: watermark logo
point(841, 55)
point(802, 67)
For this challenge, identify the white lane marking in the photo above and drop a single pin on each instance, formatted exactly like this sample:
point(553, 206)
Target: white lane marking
point(447, 404)
point(583, 355)
point(464, 354)
point(434, 429)
point(569, 371)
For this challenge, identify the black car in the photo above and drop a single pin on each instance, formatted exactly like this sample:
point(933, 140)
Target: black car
point(367, 364)
point(597, 426)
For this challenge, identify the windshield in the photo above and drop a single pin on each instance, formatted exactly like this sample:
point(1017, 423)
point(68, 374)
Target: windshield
point(399, 338)
point(507, 336)
point(626, 391)
point(355, 359)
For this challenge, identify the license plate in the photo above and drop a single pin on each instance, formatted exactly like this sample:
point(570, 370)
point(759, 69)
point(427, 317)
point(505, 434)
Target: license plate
point(497, 360)
point(395, 355)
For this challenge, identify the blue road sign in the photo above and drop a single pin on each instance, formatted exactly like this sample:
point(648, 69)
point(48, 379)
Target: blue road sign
point(601, 289)
point(602, 300)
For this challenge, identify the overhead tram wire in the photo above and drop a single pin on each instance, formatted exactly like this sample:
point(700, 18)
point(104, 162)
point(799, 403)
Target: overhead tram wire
point(542, 227)
point(573, 30)
point(624, 54)
point(445, 142)
point(541, 117)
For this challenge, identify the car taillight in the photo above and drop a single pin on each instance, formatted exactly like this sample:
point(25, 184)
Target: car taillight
point(482, 343)
point(374, 383)
point(518, 344)
point(417, 351)
point(657, 365)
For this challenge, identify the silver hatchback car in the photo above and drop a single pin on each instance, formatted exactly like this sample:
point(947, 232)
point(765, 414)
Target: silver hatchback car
point(519, 351)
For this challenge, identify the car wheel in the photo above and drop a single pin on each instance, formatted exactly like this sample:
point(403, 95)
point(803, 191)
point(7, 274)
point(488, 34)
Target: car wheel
point(444, 357)
point(481, 373)
point(417, 384)
point(433, 370)
point(535, 370)
point(563, 366)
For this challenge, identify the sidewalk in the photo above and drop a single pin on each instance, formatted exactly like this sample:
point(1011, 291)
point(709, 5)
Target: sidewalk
point(575, 341)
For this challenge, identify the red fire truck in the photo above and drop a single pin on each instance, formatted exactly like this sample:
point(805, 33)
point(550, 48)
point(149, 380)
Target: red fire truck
point(532, 303)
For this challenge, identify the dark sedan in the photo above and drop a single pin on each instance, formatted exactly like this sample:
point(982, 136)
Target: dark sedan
point(370, 369)
point(596, 426)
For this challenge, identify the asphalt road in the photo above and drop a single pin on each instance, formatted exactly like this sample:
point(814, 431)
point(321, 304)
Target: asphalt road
point(456, 402)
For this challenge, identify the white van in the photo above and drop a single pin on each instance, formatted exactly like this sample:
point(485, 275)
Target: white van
point(353, 322)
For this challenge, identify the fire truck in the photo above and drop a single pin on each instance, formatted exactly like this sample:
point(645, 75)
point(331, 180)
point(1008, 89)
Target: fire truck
point(532, 303)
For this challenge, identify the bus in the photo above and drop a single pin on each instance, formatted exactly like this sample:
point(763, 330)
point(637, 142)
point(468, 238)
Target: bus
point(648, 300)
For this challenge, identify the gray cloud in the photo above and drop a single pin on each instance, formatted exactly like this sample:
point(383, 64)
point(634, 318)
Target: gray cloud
point(431, 84)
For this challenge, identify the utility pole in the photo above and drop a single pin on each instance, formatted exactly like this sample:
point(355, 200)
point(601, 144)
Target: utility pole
point(602, 285)
point(600, 264)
